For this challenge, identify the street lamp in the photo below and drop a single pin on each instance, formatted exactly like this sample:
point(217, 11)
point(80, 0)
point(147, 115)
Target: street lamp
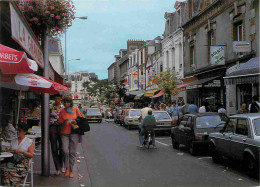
point(77, 59)
point(82, 18)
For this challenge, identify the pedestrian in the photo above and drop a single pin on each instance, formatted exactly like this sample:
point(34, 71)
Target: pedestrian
point(168, 108)
point(254, 107)
point(55, 136)
point(192, 109)
point(202, 109)
point(8, 132)
point(70, 139)
point(80, 108)
point(174, 110)
point(222, 109)
point(242, 109)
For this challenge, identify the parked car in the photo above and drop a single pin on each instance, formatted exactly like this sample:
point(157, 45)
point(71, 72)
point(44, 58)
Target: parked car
point(131, 118)
point(122, 117)
point(239, 140)
point(93, 114)
point(118, 114)
point(163, 121)
point(193, 130)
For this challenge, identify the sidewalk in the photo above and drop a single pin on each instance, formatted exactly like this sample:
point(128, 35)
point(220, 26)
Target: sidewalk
point(81, 176)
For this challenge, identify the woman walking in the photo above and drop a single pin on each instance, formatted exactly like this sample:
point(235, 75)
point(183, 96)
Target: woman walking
point(69, 137)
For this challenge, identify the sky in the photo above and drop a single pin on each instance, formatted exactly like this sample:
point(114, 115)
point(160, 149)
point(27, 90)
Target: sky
point(110, 24)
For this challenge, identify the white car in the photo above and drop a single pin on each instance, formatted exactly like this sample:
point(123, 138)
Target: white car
point(131, 118)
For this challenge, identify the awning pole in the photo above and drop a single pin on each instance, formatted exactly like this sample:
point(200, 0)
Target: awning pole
point(19, 106)
point(45, 156)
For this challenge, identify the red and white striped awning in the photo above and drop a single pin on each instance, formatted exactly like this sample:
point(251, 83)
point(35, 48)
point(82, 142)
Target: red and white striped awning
point(15, 62)
point(40, 84)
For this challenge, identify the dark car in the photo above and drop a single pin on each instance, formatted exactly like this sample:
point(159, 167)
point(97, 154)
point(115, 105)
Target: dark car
point(193, 130)
point(93, 114)
point(239, 140)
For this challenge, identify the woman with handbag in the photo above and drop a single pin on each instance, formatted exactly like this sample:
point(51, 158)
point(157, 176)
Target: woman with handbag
point(69, 136)
point(17, 166)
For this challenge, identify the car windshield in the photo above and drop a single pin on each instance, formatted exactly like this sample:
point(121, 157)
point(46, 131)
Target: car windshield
point(209, 121)
point(93, 112)
point(257, 126)
point(135, 113)
point(161, 115)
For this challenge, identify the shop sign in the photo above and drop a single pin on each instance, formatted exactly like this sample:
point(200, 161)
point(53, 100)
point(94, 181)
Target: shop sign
point(217, 55)
point(135, 74)
point(22, 34)
point(194, 86)
point(241, 47)
point(215, 83)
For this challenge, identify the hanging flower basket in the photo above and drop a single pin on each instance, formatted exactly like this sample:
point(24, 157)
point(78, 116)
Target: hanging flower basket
point(54, 15)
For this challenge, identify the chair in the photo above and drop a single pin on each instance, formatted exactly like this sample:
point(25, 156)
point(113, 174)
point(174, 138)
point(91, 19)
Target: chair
point(29, 171)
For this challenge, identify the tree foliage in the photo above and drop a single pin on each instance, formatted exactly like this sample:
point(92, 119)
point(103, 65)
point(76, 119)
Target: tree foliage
point(167, 81)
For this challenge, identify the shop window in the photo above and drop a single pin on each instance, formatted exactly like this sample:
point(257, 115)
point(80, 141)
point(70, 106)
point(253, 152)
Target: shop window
point(161, 68)
point(211, 41)
point(192, 54)
point(238, 32)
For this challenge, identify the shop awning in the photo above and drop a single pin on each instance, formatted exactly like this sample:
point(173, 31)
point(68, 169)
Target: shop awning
point(150, 93)
point(158, 94)
point(40, 84)
point(184, 85)
point(139, 96)
point(137, 92)
point(247, 73)
point(15, 62)
point(198, 83)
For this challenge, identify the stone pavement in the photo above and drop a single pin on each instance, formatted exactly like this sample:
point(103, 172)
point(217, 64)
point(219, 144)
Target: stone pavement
point(81, 176)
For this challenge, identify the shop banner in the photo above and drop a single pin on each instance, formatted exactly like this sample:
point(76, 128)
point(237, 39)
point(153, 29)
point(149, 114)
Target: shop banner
point(241, 47)
point(23, 35)
point(217, 55)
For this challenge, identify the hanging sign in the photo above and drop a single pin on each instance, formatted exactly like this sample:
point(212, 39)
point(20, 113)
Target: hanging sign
point(23, 35)
point(135, 74)
point(241, 47)
point(217, 55)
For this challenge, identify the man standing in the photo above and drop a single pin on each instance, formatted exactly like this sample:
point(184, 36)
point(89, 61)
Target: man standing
point(254, 107)
point(192, 109)
point(174, 110)
point(55, 137)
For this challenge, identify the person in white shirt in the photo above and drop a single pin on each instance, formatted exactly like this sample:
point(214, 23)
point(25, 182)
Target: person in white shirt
point(144, 113)
point(222, 109)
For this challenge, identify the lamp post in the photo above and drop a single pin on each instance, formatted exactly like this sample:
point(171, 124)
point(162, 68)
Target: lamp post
point(77, 59)
point(66, 72)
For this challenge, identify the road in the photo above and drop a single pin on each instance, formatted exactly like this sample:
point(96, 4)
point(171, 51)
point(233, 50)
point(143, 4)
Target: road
point(113, 159)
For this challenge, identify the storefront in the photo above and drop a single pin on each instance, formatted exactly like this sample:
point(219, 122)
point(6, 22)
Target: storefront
point(209, 88)
point(242, 84)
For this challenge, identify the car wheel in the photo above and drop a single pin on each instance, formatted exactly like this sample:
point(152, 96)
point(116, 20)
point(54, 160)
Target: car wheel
point(128, 127)
point(175, 144)
point(251, 166)
point(100, 121)
point(192, 149)
point(216, 157)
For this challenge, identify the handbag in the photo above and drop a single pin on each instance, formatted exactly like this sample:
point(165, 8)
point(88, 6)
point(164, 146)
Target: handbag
point(83, 125)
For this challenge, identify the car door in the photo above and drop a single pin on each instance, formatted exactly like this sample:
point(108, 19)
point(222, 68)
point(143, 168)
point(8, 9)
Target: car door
point(188, 131)
point(180, 130)
point(223, 139)
point(239, 139)
point(126, 117)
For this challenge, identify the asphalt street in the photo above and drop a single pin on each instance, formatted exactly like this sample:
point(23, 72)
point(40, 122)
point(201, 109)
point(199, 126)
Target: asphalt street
point(110, 157)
